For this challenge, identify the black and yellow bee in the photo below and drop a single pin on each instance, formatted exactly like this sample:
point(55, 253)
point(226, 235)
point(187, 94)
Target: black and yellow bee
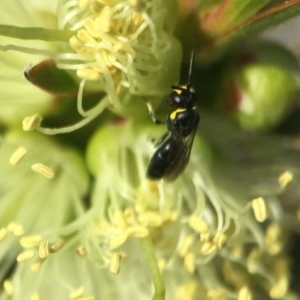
point(174, 147)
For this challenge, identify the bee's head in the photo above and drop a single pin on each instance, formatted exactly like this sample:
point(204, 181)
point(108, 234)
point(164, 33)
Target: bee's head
point(183, 97)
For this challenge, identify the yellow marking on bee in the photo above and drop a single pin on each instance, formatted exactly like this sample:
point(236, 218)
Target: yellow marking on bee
point(178, 91)
point(174, 113)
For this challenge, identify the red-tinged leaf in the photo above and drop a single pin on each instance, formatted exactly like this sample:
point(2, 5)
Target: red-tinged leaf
point(51, 79)
point(227, 14)
point(247, 29)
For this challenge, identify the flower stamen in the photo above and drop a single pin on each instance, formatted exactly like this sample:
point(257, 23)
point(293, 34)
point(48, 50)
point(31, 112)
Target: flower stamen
point(184, 245)
point(35, 267)
point(35, 296)
point(260, 209)
point(3, 234)
point(31, 122)
point(15, 228)
point(285, 179)
point(17, 156)
point(30, 241)
point(190, 262)
point(25, 256)
point(78, 293)
point(81, 251)
point(115, 262)
point(43, 170)
point(245, 293)
point(8, 287)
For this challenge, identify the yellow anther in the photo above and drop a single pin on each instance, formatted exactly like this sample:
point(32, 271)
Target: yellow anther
point(162, 264)
point(30, 241)
point(189, 262)
point(137, 231)
point(17, 156)
point(56, 246)
point(3, 233)
point(187, 291)
point(151, 218)
point(129, 215)
point(171, 216)
point(43, 170)
point(81, 251)
point(279, 289)
point(185, 244)
point(89, 74)
point(217, 294)
point(285, 179)
point(107, 2)
point(274, 231)
point(253, 260)
point(76, 44)
point(220, 239)
point(205, 237)
point(31, 122)
point(84, 36)
point(197, 224)
point(35, 267)
point(137, 16)
point(273, 239)
point(245, 293)
point(77, 293)
point(115, 262)
point(44, 249)
point(103, 21)
point(15, 228)
point(117, 241)
point(35, 296)
point(25, 255)
point(260, 209)
point(83, 4)
point(119, 220)
point(134, 3)
point(207, 248)
point(8, 287)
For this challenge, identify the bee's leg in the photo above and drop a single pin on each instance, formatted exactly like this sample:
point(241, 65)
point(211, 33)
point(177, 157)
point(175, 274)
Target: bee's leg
point(152, 113)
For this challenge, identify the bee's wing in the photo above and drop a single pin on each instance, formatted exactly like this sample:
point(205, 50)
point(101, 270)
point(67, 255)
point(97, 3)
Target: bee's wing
point(180, 160)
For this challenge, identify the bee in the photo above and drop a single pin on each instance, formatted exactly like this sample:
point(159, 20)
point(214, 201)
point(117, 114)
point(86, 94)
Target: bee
point(174, 147)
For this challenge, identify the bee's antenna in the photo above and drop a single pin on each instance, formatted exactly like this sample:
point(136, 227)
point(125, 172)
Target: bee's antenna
point(191, 67)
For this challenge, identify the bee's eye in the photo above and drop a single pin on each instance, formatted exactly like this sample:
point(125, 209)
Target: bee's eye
point(175, 98)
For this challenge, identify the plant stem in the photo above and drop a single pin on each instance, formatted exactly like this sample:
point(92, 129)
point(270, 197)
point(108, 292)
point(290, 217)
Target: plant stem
point(158, 282)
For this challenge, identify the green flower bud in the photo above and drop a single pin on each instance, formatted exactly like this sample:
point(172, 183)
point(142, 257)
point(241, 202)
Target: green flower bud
point(266, 96)
point(262, 87)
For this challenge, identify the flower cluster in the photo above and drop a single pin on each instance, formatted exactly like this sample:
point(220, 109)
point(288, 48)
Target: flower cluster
point(79, 219)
